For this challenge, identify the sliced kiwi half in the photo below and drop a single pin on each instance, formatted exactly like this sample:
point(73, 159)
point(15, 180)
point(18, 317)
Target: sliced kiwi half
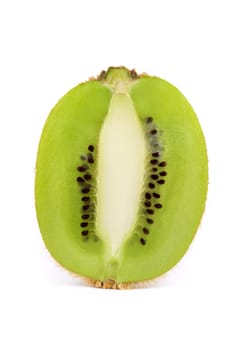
point(121, 178)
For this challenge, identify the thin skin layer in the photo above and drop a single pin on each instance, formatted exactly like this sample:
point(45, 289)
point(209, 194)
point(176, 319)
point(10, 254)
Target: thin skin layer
point(74, 124)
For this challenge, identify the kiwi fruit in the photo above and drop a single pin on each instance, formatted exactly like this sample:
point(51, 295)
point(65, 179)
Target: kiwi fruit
point(121, 178)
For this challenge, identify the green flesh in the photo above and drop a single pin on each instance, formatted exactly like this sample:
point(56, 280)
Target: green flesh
point(110, 114)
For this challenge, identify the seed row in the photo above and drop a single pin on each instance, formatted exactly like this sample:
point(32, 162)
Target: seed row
point(156, 177)
point(85, 182)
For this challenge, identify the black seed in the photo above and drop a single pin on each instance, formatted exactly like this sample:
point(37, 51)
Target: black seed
point(80, 180)
point(163, 173)
point(147, 195)
point(91, 148)
point(153, 132)
point(85, 207)
point(154, 177)
point(149, 120)
point(155, 154)
point(158, 206)
point(84, 224)
point(150, 185)
point(81, 169)
point(88, 177)
point(82, 157)
point(161, 182)
point(85, 216)
point(154, 161)
point(154, 169)
point(143, 241)
point(147, 204)
point(150, 211)
point(150, 221)
point(90, 160)
point(85, 199)
point(145, 230)
point(85, 190)
point(156, 195)
point(84, 233)
point(163, 164)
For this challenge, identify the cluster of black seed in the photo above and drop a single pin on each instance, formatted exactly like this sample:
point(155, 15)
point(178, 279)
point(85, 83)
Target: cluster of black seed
point(85, 181)
point(154, 181)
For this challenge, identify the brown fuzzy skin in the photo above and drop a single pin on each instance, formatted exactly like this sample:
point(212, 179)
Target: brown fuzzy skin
point(108, 284)
point(111, 284)
point(132, 73)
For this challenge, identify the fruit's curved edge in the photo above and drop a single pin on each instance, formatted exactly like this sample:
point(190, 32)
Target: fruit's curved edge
point(106, 284)
point(112, 284)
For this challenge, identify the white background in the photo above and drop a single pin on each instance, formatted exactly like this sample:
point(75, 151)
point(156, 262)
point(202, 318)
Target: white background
point(46, 48)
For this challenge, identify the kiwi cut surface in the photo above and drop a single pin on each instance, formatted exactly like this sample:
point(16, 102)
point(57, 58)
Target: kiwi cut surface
point(121, 178)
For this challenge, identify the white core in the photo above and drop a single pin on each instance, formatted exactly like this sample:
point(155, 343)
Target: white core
point(121, 160)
